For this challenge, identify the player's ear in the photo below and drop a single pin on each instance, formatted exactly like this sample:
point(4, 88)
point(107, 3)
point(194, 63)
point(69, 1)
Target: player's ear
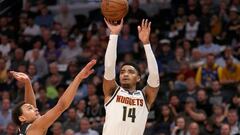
point(138, 78)
point(22, 118)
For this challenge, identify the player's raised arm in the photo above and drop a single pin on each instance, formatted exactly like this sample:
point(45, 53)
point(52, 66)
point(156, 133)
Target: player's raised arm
point(152, 87)
point(109, 83)
point(29, 96)
point(45, 121)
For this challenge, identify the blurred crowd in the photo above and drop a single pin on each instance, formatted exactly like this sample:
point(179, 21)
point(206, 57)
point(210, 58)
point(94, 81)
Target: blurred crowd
point(197, 48)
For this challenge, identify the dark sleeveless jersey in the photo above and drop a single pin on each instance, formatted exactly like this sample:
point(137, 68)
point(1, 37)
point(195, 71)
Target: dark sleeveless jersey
point(23, 129)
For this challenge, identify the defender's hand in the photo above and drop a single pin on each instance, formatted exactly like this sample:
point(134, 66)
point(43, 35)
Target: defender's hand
point(115, 29)
point(144, 31)
point(87, 70)
point(21, 77)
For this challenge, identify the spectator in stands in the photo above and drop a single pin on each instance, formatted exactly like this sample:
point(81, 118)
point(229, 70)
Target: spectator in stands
point(196, 59)
point(51, 52)
point(233, 25)
point(18, 59)
point(37, 44)
point(95, 111)
point(179, 126)
point(208, 46)
point(230, 73)
point(228, 53)
point(81, 108)
point(57, 128)
point(193, 129)
point(216, 96)
point(65, 17)
point(85, 128)
point(11, 129)
point(235, 103)
point(135, 15)
point(191, 90)
point(232, 120)
point(31, 29)
point(5, 114)
point(40, 62)
point(45, 18)
point(192, 113)
point(165, 120)
point(203, 102)
point(191, 28)
point(72, 120)
point(70, 53)
point(173, 65)
point(166, 54)
point(208, 73)
point(126, 41)
point(225, 129)
point(5, 47)
point(175, 105)
point(218, 115)
point(32, 73)
point(69, 132)
point(53, 71)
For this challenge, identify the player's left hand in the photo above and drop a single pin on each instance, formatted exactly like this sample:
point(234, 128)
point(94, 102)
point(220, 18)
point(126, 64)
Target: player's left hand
point(21, 77)
point(87, 70)
point(144, 31)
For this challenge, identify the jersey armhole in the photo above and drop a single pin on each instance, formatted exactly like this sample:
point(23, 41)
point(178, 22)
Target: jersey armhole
point(114, 94)
point(145, 100)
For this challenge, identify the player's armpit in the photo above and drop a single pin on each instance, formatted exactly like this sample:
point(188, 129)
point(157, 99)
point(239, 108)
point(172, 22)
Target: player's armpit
point(150, 94)
point(109, 87)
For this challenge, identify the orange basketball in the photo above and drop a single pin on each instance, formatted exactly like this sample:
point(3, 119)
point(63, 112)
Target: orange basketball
point(114, 10)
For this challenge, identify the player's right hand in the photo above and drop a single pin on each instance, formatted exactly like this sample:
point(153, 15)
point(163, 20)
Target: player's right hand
point(87, 70)
point(21, 77)
point(115, 29)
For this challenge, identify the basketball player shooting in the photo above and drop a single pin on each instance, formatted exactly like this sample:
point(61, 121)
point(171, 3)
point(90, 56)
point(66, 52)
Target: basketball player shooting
point(127, 108)
point(26, 114)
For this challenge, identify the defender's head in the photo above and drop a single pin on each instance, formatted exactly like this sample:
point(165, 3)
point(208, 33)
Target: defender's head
point(24, 113)
point(129, 75)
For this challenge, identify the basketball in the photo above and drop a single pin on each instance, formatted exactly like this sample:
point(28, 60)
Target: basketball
point(114, 10)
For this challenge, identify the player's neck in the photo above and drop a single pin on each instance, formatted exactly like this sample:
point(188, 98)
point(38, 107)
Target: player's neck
point(130, 89)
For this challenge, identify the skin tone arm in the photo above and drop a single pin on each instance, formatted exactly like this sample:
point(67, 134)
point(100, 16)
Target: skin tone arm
point(29, 96)
point(44, 122)
point(110, 85)
point(144, 34)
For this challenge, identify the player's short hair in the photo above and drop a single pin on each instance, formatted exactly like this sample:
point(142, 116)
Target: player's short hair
point(133, 65)
point(17, 111)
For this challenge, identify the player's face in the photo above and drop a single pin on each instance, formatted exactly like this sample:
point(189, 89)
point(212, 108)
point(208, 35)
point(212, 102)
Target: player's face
point(29, 113)
point(128, 76)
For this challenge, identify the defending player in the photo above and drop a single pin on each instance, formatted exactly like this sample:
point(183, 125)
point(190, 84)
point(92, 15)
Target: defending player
point(26, 114)
point(127, 108)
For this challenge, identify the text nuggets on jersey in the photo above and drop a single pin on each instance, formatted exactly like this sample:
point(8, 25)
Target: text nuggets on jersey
point(129, 101)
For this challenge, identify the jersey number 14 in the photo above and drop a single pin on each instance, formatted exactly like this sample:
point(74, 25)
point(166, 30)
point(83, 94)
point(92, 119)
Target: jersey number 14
point(131, 113)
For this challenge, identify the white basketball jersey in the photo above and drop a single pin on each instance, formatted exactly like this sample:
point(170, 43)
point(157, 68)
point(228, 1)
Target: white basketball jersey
point(126, 113)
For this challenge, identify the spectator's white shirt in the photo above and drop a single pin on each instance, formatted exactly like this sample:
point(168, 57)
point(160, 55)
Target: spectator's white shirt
point(28, 56)
point(67, 21)
point(235, 129)
point(191, 31)
point(32, 31)
point(5, 49)
point(90, 132)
